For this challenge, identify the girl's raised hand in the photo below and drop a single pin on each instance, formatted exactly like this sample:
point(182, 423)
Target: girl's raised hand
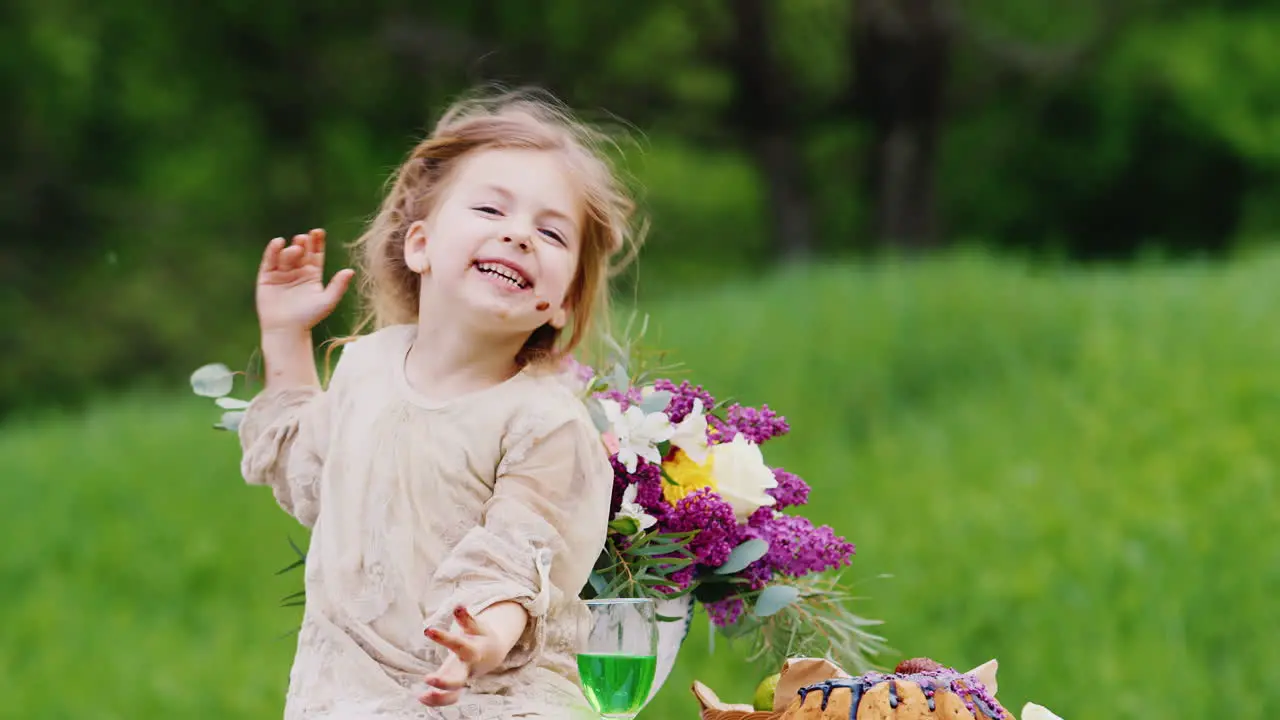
point(291, 295)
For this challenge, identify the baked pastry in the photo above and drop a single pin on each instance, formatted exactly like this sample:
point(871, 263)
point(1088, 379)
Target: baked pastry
point(918, 689)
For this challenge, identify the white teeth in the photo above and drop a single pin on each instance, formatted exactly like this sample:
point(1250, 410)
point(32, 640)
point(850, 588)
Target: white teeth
point(503, 272)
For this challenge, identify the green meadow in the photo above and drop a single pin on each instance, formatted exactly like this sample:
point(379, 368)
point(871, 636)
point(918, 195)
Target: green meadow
point(1070, 470)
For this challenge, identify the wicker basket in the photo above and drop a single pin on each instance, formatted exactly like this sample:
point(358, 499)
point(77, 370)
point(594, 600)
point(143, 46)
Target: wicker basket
point(796, 673)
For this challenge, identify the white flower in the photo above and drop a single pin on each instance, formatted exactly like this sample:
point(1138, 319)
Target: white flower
point(631, 517)
point(741, 476)
point(690, 434)
point(636, 432)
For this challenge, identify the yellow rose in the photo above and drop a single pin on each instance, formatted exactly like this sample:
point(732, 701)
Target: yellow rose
point(687, 475)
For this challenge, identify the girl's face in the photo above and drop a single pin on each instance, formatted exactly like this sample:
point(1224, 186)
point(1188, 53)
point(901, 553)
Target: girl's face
point(503, 242)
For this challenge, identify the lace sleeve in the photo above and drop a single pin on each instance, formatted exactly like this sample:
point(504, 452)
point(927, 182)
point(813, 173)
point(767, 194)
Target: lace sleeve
point(282, 436)
point(541, 532)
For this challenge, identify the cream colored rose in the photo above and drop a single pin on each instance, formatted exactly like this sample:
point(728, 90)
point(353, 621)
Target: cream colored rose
point(741, 476)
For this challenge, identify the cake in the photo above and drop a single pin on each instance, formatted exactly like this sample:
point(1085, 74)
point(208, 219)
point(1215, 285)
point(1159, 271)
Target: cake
point(917, 689)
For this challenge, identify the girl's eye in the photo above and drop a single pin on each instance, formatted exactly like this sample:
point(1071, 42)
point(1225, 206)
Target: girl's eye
point(554, 235)
point(487, 210)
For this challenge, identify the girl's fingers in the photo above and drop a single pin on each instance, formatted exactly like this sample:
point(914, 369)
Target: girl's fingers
point(467, 621)
point(316, 237)
point(338, 286)
point(289, 258)
point(271, 255)
point(303, 243)
point(303, 249)
point(315, 249)
point(459, 646)
point(439, 698)
point(446, 683)
point(450, 681)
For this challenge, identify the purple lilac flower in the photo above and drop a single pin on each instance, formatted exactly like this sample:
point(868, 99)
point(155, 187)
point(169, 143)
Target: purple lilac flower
point(580, 371)
point(796, 548)
point(626, 398)
point(717, 431)
point(704, 511)
point(682, 397)
point(791, 491)
point(756, 425)
point(725, 612)
point(648, 481)
point(683, 577)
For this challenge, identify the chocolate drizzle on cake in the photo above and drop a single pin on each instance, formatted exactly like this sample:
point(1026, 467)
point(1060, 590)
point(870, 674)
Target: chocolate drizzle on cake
point(928, 675)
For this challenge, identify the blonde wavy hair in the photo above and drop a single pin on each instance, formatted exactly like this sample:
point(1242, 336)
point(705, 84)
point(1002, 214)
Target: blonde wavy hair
point(524, 119)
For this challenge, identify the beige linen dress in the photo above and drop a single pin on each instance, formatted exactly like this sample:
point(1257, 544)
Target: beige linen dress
point(416, 507)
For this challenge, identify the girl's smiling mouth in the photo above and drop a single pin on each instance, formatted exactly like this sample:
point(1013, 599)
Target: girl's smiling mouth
point(504, 271)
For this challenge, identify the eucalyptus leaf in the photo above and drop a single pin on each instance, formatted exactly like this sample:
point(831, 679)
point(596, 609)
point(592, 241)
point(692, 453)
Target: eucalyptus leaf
point(231, 420)
point(656, 401)
point(774, 598)
point(598, 583)
point(597, 415)
point(212, 380)
point(618, 379)
point(230, 403)
point(743, 555)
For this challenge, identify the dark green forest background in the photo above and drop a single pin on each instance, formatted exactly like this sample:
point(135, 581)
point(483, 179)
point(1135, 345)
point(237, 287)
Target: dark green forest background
point(150, 149)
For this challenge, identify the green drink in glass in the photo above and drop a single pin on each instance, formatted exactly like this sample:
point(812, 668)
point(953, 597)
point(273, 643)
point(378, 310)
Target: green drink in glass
point(618, 664)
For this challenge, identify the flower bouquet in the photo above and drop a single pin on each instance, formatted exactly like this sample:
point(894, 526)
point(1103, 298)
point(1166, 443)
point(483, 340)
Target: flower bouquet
point(697, 512)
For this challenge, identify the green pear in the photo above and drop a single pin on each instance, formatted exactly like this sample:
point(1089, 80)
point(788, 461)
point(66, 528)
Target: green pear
point(763, 699)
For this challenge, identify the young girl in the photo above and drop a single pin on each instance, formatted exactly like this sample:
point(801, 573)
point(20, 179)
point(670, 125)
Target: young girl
point(457, 491)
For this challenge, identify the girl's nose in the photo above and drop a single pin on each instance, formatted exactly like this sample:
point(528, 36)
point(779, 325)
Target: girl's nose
point(521, 241)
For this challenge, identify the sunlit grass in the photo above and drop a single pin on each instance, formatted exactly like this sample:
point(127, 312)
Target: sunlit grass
point(1072, 472)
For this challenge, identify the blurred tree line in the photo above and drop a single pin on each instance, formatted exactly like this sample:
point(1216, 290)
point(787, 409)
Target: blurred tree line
point(150, 149)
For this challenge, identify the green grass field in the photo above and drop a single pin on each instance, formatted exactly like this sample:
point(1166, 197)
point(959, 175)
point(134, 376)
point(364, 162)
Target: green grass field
point(1071, 471)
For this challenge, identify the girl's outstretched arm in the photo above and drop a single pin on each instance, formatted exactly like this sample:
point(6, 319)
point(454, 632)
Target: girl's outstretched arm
point(284, 430)
point(540, 535)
